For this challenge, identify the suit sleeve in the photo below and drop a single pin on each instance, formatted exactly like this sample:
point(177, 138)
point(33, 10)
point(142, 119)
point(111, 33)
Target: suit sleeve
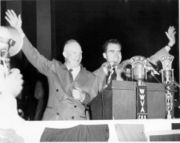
point(158, 55)
point(101, 78)
point(92, 91)
point(35, 58)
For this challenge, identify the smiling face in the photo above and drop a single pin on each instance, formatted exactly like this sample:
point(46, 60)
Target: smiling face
point(72, 53)
point(113, 53)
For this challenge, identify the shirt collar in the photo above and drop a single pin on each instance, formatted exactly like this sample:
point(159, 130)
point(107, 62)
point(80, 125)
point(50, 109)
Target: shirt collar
point(74, 69)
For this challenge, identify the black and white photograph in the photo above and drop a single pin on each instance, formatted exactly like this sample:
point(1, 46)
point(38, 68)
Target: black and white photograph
point(89, 71)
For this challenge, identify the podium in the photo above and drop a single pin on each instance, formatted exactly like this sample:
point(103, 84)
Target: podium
point(119, 101)
point(124, 100)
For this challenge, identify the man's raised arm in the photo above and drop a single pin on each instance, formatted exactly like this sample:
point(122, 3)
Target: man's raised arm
point(31, 53)
point(165, 51)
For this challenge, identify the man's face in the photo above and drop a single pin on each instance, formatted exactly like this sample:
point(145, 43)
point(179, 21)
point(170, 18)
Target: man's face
point(113, 53)
point(73, 54)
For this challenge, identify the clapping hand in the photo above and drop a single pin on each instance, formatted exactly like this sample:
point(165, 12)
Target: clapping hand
point(78, 94)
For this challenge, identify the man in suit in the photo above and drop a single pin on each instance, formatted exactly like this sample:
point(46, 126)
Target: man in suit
point(112, 55)
point(71, 86)
point(105, 74)
point(114, 69)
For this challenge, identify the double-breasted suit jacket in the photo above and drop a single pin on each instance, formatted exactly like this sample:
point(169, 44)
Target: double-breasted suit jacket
point(61, 105)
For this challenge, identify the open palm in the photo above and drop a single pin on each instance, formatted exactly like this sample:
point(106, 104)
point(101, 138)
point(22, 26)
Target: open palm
point(14, 20)
point(171, 35)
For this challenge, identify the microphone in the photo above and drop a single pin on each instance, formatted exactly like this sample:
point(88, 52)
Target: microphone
point(111, 75)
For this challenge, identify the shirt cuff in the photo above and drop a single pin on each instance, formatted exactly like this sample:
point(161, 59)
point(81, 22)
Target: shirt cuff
point(168, 48)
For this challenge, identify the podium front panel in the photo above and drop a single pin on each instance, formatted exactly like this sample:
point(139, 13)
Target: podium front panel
point(124, 104)
point(124, 100)
point(156, 100)
point(156, 104)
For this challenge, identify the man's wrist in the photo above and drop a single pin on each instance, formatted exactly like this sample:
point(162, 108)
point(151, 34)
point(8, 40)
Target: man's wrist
point(170, 45)
point(168, 48)
point(21, 32)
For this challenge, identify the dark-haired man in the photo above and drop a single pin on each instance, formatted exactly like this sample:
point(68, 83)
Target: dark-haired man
point(114, 69)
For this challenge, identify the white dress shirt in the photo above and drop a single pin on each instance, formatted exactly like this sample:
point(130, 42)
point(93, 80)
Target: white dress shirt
point(75, 71)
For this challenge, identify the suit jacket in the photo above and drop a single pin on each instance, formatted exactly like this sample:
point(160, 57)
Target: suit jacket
point(158, 55)
point(154, 59)
point(61, 105)
point(101, 106)
point(101, 78)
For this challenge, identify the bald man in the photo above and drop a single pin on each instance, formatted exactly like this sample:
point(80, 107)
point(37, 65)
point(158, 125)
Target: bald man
point(71, 86)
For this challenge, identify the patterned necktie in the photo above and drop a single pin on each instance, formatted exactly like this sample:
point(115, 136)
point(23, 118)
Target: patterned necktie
point(70, 74)
point(114, 75)
point(111, 75)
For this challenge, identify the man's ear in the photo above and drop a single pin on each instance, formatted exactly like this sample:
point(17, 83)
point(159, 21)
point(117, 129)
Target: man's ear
point(104, 55)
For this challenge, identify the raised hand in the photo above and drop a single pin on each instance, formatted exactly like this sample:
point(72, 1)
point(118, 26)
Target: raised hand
point(14, 20)
point(171, 35)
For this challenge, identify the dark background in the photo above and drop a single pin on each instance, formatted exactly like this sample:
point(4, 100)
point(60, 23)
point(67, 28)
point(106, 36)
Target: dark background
point(139, 25)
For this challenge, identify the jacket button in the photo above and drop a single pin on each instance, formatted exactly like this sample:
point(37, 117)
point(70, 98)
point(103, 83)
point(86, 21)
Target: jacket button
point(72, 117)
point(75, 106)
point(57, 90)
point(57, 113)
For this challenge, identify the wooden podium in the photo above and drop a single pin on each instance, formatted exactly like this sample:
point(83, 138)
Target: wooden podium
point(124, 100)
point(119, 101)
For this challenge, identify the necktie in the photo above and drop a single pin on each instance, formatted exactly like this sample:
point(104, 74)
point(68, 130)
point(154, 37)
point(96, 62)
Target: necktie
point(70, 74)
point(111, 75)
point(114, 75)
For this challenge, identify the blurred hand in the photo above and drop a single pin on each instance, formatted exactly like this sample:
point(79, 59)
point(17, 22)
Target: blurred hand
point(14, 20)
point(13, 82)
point(78, 94)
point(106, 67)
point(171, 35)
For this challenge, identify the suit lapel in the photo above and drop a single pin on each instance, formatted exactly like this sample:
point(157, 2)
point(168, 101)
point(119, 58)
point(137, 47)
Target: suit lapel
point(65, 79)
point(81, 77)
